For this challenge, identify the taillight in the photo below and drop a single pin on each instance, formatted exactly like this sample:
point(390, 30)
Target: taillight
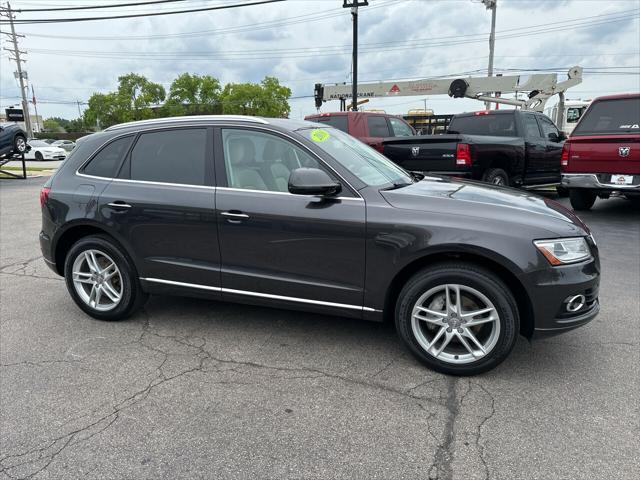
point(564, 157)
point(463, 154)
point(44, 195)
point(482, 112)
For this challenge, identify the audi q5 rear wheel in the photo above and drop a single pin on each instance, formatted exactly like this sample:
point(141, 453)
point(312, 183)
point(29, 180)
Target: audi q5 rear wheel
point(101, 279)
point(458, 319)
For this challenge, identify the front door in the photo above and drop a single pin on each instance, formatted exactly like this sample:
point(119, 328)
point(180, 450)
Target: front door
point(296, 249)
point(162, 206)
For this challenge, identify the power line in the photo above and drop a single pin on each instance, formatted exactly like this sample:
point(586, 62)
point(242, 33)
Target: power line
point(153, 14)
point(93, 7)
point(315, 17)
point(302, 52)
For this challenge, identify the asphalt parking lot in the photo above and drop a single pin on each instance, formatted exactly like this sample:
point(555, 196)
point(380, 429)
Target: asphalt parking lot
point(198, 389)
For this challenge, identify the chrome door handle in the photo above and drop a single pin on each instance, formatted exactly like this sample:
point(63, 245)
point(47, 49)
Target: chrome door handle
point(234, 215)
point(119, 205)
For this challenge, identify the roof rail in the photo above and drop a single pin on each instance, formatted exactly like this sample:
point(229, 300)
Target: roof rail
point(191, 118)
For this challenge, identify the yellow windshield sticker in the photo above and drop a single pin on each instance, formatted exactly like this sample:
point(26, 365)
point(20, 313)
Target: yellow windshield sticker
point(319, 135)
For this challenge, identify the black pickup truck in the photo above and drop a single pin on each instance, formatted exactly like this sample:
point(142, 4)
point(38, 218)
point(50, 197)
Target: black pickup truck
point(503, 147)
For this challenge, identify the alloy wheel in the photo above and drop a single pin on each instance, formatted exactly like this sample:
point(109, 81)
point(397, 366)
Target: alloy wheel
point(455, 323)
point(21, 144)
point(97, 280)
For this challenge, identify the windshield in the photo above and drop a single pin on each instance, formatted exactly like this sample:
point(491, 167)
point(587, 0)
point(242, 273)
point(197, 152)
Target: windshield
point(363, 161)
point(38, 143)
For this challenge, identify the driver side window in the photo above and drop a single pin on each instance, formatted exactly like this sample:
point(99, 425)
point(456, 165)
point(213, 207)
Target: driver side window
point(260, 161)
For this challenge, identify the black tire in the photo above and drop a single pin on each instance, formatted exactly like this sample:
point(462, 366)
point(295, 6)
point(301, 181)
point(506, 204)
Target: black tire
point(468, 275)
point(19, 144)
point(562, 192)
point(39, 156)
point(132, 297)
point(582, 199)
point(496, 176)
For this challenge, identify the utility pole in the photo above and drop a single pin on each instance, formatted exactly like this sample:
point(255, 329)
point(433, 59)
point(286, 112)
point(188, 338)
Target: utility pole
point(21, 75)
point(353, 5)
point(491, 5)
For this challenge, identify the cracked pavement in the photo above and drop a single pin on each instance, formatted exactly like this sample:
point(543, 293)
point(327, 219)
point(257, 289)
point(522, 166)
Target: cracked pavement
point(199, 389)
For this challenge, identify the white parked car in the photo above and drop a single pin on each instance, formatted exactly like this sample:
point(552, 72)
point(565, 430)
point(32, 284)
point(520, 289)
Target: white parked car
point(66, 144)
point(41, 150)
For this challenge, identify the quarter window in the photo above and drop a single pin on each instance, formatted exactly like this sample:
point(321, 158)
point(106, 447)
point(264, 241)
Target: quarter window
point(108, 160)
point(378, 126)
point(259, 161)
point(170, 156)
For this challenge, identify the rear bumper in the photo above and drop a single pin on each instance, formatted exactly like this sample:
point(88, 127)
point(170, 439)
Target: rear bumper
point(47, 251)
point(593, 181)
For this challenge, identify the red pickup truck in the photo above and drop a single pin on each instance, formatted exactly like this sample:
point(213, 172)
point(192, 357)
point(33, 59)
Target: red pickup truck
point(602, 155)
point(368, 127)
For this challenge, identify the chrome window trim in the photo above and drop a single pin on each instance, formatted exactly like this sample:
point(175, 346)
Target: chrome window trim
point(260, 295)
point(146, 182)
point(223, 125)
point(203, 118)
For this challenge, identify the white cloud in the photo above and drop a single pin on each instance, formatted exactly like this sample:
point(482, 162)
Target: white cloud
point(61, 75)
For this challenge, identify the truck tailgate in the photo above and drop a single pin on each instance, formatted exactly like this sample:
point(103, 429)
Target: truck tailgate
point(423, 153)
point(615, 154)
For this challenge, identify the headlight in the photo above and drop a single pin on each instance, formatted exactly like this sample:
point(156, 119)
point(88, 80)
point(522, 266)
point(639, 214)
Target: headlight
point(560, 251)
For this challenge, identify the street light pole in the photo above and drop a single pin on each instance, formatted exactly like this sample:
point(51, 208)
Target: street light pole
point(491, 5)
point(353, 5)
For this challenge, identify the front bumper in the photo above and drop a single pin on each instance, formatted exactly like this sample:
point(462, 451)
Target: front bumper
point(550, 290)
point(597, 181)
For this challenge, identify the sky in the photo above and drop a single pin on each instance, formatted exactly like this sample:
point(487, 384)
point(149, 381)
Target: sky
point(303, 42)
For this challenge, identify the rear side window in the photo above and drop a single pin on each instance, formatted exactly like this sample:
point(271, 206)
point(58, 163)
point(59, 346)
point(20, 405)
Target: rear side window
point(341, 122)
point(497, 125)
point(378, 126)
point(108, 160)
point(170, 156)
point(530, 126)
point(610, 117)
point(400, 129)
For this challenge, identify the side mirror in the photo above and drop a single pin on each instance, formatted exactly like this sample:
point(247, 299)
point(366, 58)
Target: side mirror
point(554, 137)
point(312, 181)
point(562, 136)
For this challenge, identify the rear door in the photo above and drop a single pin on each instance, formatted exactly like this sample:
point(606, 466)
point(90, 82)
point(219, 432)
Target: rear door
point(552, 149)
point(162, 205)
point(535, 147)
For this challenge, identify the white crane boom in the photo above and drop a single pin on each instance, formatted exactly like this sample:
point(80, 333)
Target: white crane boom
point(539, 87)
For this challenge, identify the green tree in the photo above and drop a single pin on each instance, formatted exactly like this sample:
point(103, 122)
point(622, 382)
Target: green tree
point(133, 100)
point(266, 99)
point(53, 125)
point(191, 94)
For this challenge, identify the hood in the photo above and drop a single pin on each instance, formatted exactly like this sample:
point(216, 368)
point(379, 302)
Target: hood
point(482, 201)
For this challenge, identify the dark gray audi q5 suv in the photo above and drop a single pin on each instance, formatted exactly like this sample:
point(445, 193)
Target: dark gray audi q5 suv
point(298, 215)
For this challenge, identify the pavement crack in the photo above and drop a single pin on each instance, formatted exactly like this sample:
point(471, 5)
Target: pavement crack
point(442, 468)
point(481, 445)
